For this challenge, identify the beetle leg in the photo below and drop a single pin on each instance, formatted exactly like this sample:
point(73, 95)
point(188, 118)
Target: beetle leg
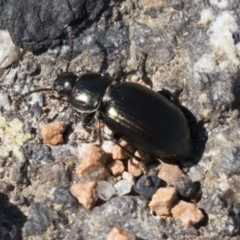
point(86, 119)
point(141, 165)
point(140, 71)
point(71, 43)
point(171, 96)
point(100, 140)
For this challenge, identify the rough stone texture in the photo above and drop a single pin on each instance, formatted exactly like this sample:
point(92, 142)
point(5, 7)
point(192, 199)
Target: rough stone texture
point(33, 27)
point(119, 234)
point(38, 220)
point(163, 200)
point(86, 193)
point(188, 213)
point(53, 133)
point(12, 136)
point(193, 45)
point(62, 198)
point(6, 187)
point(105, 217)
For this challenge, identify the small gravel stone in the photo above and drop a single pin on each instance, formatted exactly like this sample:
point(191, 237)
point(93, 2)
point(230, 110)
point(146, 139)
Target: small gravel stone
point(133, 167)
point(163, 200)
point(123, 187)
point(145, 191)
point(116, 167)
point(118, 153)
point(187, 213)
point(129, 177)
point(86, 193)
point(105, 190)
point(170, 173)
point(186, 187)
point(94, 153)
point(53, 133)
point(91, 167)
point(119, 234)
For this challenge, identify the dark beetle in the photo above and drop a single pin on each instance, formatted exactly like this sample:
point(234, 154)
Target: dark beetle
point(140, 116)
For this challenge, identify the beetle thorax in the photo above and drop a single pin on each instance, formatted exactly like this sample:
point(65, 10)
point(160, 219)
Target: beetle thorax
point(88, 92)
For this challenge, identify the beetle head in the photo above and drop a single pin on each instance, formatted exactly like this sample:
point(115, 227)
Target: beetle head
point(64, 83)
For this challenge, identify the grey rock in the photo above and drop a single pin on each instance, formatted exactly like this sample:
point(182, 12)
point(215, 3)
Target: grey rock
point(186, 187)
point(62, 196)
point(144, 190)
point(38, 220)
point(33, 27)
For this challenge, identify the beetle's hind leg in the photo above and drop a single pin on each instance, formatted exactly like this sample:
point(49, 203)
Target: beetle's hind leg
point(140, 70)
point(121, 76)
point(171, 96)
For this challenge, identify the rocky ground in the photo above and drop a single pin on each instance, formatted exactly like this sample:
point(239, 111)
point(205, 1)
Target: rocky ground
point(193, 45)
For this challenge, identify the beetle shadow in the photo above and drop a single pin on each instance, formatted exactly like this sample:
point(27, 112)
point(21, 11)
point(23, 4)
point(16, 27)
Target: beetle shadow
point(198, 135)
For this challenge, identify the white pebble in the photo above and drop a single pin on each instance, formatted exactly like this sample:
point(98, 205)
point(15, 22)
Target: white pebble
point(123, 187)
point(105, 190)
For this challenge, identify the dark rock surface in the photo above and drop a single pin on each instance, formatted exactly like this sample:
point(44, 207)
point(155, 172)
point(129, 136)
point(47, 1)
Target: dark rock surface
point(38, 25)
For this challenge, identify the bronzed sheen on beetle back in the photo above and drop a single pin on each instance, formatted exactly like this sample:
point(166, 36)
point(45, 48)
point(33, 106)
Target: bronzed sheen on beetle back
point(147, 120)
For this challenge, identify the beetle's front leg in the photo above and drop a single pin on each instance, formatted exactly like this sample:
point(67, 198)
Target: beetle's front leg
point(86, 120)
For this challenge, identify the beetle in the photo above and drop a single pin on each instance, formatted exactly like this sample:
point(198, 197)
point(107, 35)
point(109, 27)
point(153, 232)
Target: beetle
point(147, 120)
point(144, 118)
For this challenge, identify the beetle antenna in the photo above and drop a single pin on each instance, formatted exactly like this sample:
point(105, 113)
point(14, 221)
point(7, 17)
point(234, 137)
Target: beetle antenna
point(142, 61)
point(18, 100)
point(71, 43)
